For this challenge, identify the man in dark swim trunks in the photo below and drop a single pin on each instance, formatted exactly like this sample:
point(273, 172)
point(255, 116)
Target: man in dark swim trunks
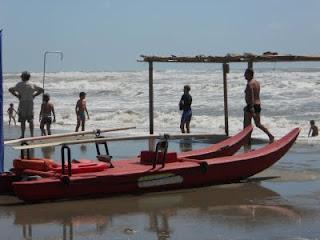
point(253, 108)
point(185, 105)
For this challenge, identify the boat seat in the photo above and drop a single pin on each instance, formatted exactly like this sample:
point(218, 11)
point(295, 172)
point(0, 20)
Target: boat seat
point(48, 165)
point(83, 166)
point(147, 157)
point(34, 163)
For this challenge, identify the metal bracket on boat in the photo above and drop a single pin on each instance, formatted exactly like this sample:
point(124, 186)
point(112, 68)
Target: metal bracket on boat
point(22, 155)
point(97, 132)
point(63, 160)
point(162, 146)
point(105, 147)
point(106, 157)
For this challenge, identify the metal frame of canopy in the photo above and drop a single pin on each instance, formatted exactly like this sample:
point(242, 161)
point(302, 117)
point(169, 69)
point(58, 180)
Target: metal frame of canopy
point(224, 60)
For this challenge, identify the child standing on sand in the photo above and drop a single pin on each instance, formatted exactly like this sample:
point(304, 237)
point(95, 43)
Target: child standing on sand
point(12, 114)
point(45, 117)
point(81, 109)
point(313, 129)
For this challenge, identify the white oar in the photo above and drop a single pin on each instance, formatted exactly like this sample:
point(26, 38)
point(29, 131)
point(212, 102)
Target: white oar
point(62, 135)
point(112, 139)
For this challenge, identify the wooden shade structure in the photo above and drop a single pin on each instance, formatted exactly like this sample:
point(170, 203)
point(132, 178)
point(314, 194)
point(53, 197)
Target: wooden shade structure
point(224, 60)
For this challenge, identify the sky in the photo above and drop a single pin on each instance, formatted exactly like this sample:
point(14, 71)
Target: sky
point(110, 35)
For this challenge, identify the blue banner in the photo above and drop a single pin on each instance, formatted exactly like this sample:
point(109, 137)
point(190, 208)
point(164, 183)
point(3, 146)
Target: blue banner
point(1, 109)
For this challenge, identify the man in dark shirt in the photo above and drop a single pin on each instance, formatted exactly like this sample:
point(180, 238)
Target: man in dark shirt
point(185, 105)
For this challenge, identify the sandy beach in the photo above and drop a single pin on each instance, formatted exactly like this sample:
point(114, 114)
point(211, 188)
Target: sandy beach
point(134, 61)
point(279, 203)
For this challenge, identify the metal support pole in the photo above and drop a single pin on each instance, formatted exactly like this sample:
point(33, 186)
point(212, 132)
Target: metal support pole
point(151, 97)
point(250, 64)
point(225, 68)
point(44, 63)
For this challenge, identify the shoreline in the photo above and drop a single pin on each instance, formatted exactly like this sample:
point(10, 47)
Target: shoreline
point(281, 199)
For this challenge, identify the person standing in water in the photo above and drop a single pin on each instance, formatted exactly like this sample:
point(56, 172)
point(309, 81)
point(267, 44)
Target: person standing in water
point(81, 109)
point(313, 132)
point(253, 107)
point(45, 116)
point(185, 105)
point(25, 92)
point(12, 114)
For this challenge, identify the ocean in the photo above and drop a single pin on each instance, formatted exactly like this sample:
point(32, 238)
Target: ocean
point(281, 202)
point(290, 98)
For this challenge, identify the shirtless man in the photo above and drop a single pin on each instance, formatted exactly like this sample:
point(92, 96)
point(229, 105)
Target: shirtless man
point(81, 109)
point(26, 92)
point(253, 108)
point(45, 116)
point(313, 132)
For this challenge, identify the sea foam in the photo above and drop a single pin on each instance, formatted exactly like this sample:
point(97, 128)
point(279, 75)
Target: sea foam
point(114, 99)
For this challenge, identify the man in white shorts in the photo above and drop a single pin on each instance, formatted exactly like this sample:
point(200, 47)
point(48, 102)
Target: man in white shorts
point(26, 92)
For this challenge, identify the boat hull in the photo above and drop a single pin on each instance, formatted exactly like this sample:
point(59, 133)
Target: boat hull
point(129, 176)
point(227, 147)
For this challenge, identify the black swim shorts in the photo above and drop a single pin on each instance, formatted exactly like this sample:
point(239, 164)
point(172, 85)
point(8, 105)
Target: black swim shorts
point(256, 108)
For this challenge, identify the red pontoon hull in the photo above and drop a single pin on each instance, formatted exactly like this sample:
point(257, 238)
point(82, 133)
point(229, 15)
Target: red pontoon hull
point(227, 147)
point(130, 176)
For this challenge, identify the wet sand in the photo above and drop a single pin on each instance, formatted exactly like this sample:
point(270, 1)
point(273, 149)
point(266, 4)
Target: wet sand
point(282, 202)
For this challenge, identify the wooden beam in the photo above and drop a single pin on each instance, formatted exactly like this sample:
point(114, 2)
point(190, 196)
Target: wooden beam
point(225, 68)
point(230, 58)
point(150, 97)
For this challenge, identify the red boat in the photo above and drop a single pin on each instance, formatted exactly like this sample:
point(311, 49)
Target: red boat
point(135, 176)
point(46, 167)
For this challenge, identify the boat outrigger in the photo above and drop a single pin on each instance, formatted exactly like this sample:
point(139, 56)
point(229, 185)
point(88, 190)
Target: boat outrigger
point(27, 166)
point(152, 171)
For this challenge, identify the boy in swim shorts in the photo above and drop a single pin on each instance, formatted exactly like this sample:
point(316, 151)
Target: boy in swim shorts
point(81, 109)
point(45, 116)
point(185, 105)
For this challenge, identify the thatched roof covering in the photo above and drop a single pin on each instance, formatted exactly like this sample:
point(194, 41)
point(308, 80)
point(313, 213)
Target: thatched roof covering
point(229, 58)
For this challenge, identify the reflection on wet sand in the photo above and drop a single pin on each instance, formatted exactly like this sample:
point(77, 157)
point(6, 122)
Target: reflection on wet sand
point(248, 204)
point(30, 153)
point(83, 148)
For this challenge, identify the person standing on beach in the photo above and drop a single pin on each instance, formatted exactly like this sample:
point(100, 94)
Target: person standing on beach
point(12, 114)
point(253, 108)
point(45, 117)
point(81, 109)
point(25, 92)
point(313, 132)
point(185, 105)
